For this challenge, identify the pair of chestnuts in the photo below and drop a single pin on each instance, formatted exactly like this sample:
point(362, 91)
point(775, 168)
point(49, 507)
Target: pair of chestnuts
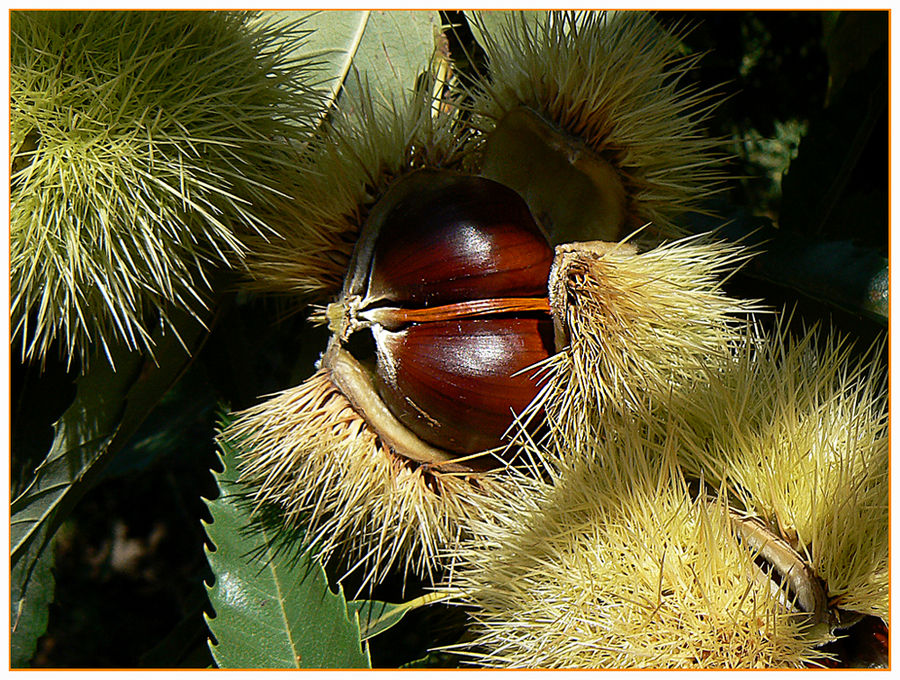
point(444, 306)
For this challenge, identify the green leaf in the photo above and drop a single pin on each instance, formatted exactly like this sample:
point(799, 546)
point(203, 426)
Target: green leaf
point(850, 39)
point(185, 646)
point(836, 273)
point(29, 597)
point(436, 659)
point(390, 48)
point(82, 435)
point(108, 407)
point(184, 415)
point(836, 187)
point(272, 609)
point(494, 21)
point(376, 617)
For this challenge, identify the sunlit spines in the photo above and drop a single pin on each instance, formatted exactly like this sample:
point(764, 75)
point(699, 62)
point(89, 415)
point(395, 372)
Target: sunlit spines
point(141, 147)
point(309, 453)
point(637, 325)
point(622, 564)
point(638, 553)
point(798, 425)
point(347, 168)
point(615, 82)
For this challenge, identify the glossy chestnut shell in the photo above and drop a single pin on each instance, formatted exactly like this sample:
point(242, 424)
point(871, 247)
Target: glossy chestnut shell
point(465, 238)
point(456, 383)
point(449, 279)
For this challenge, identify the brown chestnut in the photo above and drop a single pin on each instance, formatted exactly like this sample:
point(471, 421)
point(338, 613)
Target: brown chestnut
point(466, 239)
point(456, 384)
point(448, 289)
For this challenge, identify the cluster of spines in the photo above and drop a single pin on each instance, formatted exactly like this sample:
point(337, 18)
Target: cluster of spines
point(614, 81)
point(798, 428)
point(639, 326)
point(791, 431)
point(619, 564)
point(139, 140)
point(312, 456)
point(356, 503)
point(349, 165)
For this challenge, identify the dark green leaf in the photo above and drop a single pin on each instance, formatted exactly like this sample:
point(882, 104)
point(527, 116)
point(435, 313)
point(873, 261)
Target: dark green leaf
point(837, 186)
point(839, 274)
point(183, 647)
point(109, 405)
point(29, 597)
point(184, 416)
point(40, 394)
point(82, 436)
point(850, 39)
point(272, 609)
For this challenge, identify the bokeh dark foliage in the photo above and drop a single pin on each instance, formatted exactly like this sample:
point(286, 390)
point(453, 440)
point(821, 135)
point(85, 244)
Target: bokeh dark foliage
point(827, 71)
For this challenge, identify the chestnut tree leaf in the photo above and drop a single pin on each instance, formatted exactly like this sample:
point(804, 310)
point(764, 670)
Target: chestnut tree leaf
point(29, 599)
point(494, 21)
point(108, 407)
point(850, 39)
point(389, 48)
point(81, 437)
point(273, 609)
point(837, 273)
point(184, 416)
point(376, 617)
point(837, 186)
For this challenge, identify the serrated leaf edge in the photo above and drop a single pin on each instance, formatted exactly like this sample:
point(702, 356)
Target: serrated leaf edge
point(315, 564)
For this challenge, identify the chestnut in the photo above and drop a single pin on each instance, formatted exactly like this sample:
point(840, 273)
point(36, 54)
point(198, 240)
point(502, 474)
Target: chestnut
point(444, 306)
point(456, 384)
